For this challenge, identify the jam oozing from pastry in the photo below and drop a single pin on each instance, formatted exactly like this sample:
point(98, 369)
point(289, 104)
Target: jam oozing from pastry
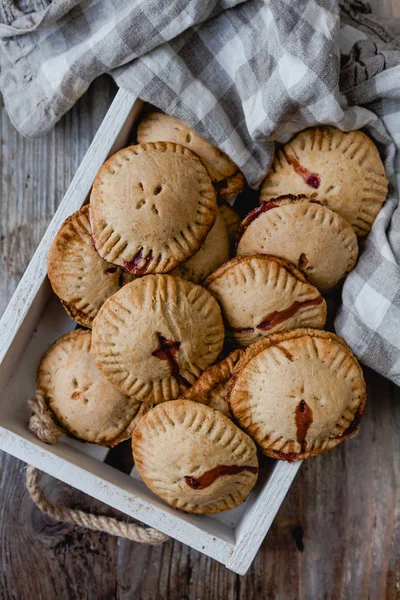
point(303, 261)
point(303, 418)
point(252, 216)
point(264, 207)
point(139, 263)
point(205, 480)
point(304, 414)
point(289, 456)
point(278, 316)
point(311, 179)
point(167, 350)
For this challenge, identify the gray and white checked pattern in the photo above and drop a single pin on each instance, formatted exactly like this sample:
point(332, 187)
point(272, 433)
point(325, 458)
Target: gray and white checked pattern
point(243, 74)
point(369, 318)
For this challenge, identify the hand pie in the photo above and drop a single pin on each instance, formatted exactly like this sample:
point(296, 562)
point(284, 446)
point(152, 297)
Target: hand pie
point(298, 393)
point(343, 170)
point(81, 399)
point(159, 127)
point(80, 278)
point(232, 222)
point(211, 388)
point(151, 207)
point(214, 251)
point(154, 339)
point(262, 294)
point(194, 458)
point(311, 236)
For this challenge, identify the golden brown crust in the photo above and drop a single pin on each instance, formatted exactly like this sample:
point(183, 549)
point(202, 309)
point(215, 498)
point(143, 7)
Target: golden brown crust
point(319, 241)
point(261, 294)
point(228, 180)
point(343, 170)
point(211, 388)
point(154, 338)
point(151, 207)
point(159, 127)
point(277, 338)
point(77, 315)
point(212, 253)
point(247, 259)
point(179, 445)
point(232, 222)
point(81, 400)
point(229, 188)
point(78, 275)
point(320, 380)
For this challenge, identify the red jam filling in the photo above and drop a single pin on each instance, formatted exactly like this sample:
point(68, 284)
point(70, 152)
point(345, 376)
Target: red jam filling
point(288, 456)
point(264, 207)
point(303, 418)
point(311, 179)
point(252, 216)
point(303, 261)
point(278, 316)
point(205, 480)
point(167, 350)
point(139, 264)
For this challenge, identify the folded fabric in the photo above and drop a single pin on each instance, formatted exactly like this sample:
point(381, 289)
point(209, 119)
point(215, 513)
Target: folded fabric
point(369, 318)
point(241, 73)
point(244, 75)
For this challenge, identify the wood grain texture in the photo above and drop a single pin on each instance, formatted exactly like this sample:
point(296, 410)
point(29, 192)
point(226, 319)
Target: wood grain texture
point(385, 8)
point(337, 534)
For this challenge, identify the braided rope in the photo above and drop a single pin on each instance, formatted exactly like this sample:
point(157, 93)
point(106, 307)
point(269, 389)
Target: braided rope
point(41, 422)
point(130, 531)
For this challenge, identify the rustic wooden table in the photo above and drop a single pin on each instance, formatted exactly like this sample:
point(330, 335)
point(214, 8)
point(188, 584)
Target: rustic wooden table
point(337, 534)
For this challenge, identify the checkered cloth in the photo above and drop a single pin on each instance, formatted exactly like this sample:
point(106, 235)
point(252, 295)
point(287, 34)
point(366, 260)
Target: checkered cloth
point(243, 74)
point(369, 318)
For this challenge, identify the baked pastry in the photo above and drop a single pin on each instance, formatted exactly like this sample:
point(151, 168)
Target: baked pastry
point(154, 337)
point(311, 236)
point(81, 399)
point(262, 294)
point(343, 170)
point(211, 388)
point(194, 458)
point(151, 207)
point(298, 393)
point(80, 278)
point(232, 222)
point(214, 251)
point(159, 127)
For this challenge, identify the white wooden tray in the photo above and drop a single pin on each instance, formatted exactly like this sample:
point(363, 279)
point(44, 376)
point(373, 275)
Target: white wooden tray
point(34, 319)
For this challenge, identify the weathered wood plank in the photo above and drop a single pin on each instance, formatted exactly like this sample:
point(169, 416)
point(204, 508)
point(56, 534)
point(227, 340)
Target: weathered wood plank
point(56, 559)
point(385, 7)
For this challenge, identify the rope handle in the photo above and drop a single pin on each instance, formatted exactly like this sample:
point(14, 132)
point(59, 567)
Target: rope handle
point(42, 423)
point(110, 525)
